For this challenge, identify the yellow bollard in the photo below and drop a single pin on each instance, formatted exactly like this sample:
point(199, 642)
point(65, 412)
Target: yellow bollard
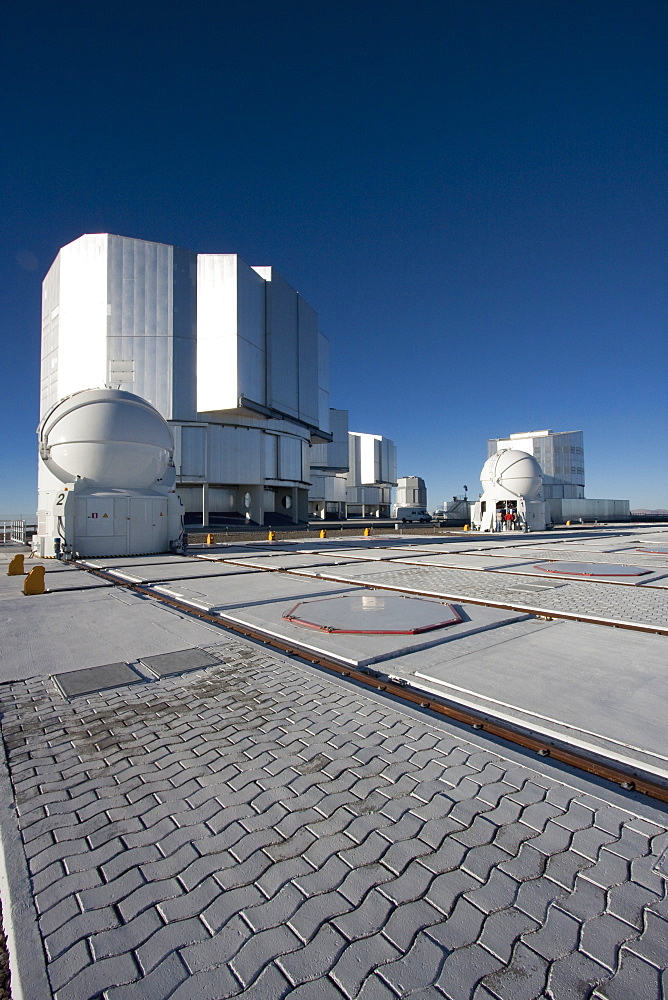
point(466, 527)
point(323, 533)
point(210, 539)
point(271, 537)
point(367, 532)
point(34, 582)
point(568, 524)
point(15, 567)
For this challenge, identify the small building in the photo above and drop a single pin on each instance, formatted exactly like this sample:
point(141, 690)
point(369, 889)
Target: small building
point(560, 455)
point(372, 472)
point(411, 492)
point(329, 471)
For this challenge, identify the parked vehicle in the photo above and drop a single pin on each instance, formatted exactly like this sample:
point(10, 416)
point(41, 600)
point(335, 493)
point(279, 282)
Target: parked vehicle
point(406, 514)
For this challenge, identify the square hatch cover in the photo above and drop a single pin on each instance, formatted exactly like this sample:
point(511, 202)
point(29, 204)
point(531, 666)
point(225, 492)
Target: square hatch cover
point(90, 680)
point(167, 664)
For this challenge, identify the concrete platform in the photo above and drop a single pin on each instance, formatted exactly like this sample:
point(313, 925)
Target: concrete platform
point(244, 590)
point(233, 822)
point(260, 830)
point(363, 650)
point(586, 684)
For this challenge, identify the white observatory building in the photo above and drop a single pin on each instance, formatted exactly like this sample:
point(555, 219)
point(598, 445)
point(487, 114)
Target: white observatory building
point(228, 354)
point(107, 478)
point(512, 499)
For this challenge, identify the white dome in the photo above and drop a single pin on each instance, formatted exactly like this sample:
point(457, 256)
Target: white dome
point(514, 471)
point(108, 437)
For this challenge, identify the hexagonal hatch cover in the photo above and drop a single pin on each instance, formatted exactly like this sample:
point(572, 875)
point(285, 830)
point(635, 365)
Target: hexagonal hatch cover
point(591, 569)
point(373, 614)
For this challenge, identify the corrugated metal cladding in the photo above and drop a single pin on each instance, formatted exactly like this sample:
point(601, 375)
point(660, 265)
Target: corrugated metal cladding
point(193, 334)
point(372, 460)
point(77, 290)
point(231, 357)
point(333, 456)
point(50, 321)
point(224, 453)
point(152, 322)
point(329, 488)
point(258, 338)
point(235, 454)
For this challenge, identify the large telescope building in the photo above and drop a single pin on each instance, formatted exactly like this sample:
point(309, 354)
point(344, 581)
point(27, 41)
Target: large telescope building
point(230, 355)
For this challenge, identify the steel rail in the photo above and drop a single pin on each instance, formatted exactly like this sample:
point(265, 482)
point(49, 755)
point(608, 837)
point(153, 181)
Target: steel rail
point(481, 722)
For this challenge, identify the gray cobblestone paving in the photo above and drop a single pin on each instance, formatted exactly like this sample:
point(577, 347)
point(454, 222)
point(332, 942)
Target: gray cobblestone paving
point(611, 602)
point(261, 830)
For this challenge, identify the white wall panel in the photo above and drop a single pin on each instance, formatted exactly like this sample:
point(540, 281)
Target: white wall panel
point(290, 458)
point(271, 456)
point(217, 378)
point(308, 340)
point(152, 323)
point(193, 452)
point(235, 454)
point(50, 324)
point(372, 460)
point(282, 346)
point(82, 347)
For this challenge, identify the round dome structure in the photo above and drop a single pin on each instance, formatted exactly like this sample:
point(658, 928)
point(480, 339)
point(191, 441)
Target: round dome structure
point(514, 471)
point(111, 438)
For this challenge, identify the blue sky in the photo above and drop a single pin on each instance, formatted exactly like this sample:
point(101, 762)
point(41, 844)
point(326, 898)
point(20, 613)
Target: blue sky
point(471, 193)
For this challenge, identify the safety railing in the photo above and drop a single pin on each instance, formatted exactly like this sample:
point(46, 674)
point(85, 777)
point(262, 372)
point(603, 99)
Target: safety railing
point(13, 531)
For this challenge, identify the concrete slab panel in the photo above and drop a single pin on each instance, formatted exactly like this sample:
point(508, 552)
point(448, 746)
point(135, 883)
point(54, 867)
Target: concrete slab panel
point(73, 579)
point(245, 590)
point(56, 633)
point(287, 560)
point(371, 553)
point(362, 650)
point(466, 560)
point(115, 561)
point(194, 570)
point(359, 571)
point(606, 688)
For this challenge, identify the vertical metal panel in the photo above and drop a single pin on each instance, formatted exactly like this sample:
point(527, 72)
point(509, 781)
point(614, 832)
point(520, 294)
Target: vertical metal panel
point(307, 335)
point(282, 346)
point(251, 333)
point(217, 364)
point(184, 334)
point(270, 456)
point(290, 458)
point(193, 452)
point(82, 347)
point(323, 384)
point(152, 297)
point(354, 464)
point(50, 324)
point(235, 454)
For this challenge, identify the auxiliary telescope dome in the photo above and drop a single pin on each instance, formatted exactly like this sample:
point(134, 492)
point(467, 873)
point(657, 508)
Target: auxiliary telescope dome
point(111, 438)
point(514, 471)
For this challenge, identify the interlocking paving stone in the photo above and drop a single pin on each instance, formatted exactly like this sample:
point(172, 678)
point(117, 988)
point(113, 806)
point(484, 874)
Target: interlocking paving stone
point(259, 830)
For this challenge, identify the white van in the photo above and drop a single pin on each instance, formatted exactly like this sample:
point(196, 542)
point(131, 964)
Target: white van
point(405, 514)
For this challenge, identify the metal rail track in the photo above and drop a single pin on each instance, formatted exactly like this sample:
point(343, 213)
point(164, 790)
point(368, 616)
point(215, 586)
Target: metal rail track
point(561, 752)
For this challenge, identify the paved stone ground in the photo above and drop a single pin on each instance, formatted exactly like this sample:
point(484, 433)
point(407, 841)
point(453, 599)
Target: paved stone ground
point(612, 602)
point(259, 829)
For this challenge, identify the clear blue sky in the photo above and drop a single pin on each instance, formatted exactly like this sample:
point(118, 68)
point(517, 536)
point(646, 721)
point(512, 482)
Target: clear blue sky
point(471, 193)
